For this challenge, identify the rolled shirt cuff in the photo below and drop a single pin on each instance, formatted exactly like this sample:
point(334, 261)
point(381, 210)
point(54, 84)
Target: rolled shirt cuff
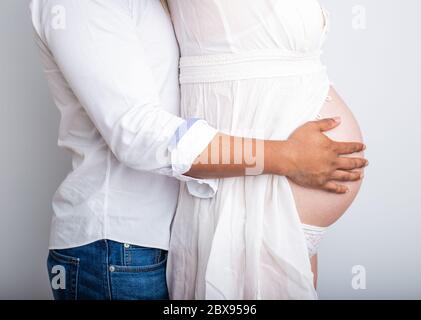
point(189, 141)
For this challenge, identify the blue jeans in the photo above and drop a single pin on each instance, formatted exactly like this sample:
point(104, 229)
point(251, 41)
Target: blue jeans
point(107, 270)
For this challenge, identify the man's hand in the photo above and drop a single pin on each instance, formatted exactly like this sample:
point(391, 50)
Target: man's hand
point(315, 161)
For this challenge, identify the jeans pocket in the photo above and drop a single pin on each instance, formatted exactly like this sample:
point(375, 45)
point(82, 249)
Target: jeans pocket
point(142, 277)
point(63, 272)
point(140, 259)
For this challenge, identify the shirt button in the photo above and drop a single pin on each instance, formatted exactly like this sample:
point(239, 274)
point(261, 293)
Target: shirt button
point(112, 269)
point(126, 245)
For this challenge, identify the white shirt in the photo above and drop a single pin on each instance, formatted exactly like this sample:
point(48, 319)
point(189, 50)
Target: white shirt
point(112, 66)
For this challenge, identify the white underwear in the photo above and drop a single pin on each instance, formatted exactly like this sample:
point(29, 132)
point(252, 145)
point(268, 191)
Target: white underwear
point(313, 237)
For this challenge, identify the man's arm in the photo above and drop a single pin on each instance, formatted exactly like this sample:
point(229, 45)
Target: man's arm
point(308, 157)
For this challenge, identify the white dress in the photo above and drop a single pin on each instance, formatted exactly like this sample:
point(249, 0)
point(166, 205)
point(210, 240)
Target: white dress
point(250, 68)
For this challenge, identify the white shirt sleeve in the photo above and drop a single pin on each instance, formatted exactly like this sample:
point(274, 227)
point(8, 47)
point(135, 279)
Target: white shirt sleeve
point(100, 55)
point(184, 148)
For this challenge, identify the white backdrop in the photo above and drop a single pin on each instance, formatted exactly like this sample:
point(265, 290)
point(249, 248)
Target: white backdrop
point(376, 69)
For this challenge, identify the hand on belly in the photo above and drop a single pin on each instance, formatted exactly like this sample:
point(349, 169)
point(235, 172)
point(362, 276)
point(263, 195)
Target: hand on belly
point(321, 208)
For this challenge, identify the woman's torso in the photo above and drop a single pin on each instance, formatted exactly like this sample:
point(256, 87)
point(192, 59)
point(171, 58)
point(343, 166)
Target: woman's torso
point(266, 106)
point(251, 68)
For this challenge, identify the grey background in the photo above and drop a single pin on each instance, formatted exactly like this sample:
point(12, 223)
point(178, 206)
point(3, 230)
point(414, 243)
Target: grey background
point(377, 72)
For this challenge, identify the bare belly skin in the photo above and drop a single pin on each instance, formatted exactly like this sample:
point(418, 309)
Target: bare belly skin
point(320, 208)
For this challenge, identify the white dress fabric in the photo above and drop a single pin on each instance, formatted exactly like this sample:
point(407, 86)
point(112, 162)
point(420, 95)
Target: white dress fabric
point(250, 68)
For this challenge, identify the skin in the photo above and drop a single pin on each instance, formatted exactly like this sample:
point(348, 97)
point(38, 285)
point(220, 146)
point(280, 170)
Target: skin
point(308, 158)
point(314, 267)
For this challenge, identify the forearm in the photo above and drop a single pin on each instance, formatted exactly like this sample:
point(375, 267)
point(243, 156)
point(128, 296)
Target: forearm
point(228, 156)
point(309, 158)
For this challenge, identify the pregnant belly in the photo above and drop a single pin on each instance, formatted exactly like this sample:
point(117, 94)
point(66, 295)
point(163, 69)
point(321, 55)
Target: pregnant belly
point(317, 207)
